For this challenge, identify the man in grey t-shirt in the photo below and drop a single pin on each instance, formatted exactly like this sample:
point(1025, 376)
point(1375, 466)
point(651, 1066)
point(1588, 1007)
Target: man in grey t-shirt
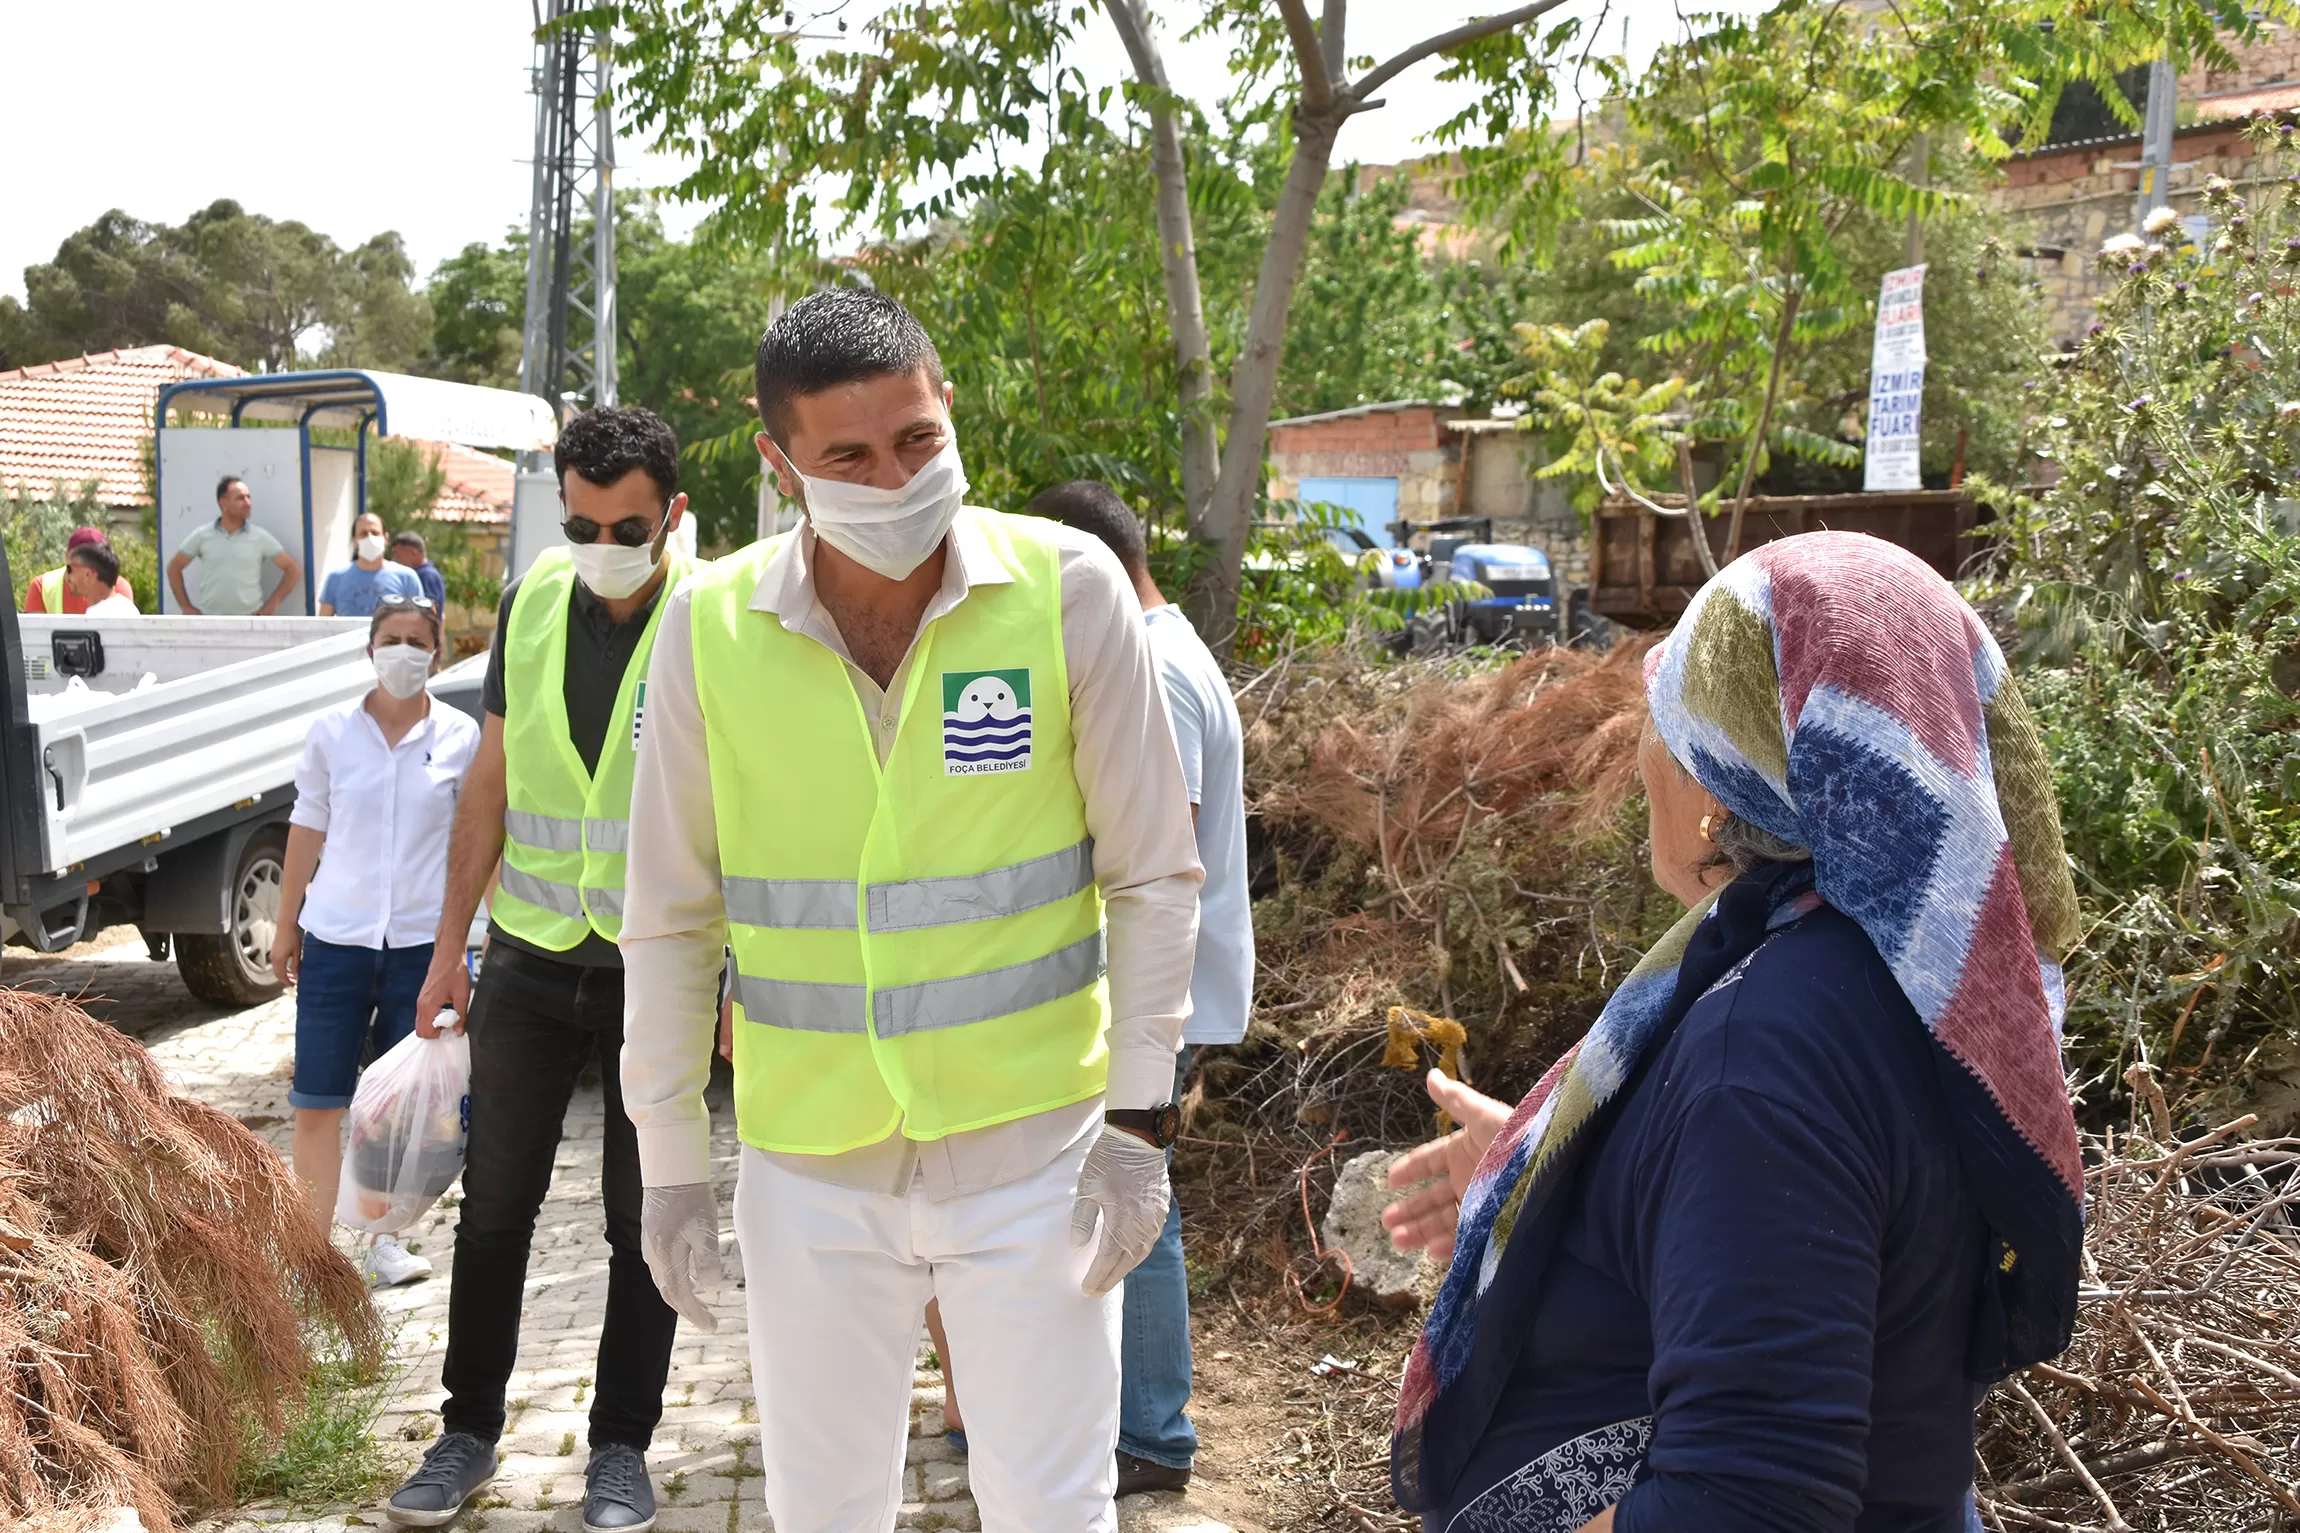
point(1156, 1440)
point(231, 552)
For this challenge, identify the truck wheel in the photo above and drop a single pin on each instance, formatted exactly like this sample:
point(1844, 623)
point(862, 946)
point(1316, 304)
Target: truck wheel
point(234, 968)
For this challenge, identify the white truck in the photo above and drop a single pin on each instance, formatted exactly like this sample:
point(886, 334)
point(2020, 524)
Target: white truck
point(147, 768)
point(147, 764)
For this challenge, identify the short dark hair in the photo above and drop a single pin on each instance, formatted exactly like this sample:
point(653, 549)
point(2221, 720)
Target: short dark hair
point(606, 442)
point(839, 335)
point(99, 559)
point(226, 483)
point(1092, 506)
point(407, 538)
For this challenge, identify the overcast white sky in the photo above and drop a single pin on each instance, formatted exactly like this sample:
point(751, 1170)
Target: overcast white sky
point(414, 115)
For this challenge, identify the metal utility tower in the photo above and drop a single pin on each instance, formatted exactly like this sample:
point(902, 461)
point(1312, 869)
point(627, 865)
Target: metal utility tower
point(574, 174)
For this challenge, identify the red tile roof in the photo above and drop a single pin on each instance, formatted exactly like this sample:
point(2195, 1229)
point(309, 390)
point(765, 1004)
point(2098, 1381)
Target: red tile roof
point(2283, 96)
point(479, 485)
point(90, 418)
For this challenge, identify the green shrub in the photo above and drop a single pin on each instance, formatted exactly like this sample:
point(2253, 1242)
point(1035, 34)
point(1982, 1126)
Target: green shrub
point(2154, 596)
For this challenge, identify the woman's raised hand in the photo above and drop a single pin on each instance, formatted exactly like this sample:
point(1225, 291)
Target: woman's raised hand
point(1427, 1219)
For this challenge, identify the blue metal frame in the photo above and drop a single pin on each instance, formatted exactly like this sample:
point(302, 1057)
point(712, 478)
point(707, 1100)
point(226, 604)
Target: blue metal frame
point(253, 387)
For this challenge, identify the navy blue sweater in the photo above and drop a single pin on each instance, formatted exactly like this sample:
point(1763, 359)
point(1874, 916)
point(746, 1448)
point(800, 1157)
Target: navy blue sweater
point(1773, 1255)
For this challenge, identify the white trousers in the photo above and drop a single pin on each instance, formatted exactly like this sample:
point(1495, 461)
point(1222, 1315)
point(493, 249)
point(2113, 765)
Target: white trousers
point(836, 1281)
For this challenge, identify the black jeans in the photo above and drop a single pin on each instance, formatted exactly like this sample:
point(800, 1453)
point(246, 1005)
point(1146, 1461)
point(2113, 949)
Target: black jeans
point(533, 1023)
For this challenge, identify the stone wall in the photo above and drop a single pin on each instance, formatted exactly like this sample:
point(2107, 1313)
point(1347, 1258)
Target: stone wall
point(1501, 483)
point(2066, 201)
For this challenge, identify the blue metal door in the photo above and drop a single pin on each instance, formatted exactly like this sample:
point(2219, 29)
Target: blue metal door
point(1372, 503)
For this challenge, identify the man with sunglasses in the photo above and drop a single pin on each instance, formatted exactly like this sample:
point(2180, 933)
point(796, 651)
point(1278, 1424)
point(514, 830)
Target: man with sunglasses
point(549, 795)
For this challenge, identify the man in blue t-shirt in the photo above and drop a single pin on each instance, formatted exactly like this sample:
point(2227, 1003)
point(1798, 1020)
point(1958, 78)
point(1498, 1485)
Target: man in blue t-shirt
point(355, 591)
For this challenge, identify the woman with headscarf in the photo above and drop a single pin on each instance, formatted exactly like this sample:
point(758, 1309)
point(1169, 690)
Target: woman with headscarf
point(1748, 1256)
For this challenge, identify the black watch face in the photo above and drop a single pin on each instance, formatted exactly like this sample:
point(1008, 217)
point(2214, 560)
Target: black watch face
point(1166, 1123)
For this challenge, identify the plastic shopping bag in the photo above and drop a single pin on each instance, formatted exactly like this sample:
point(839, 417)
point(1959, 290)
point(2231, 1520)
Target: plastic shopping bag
point(409, 1120)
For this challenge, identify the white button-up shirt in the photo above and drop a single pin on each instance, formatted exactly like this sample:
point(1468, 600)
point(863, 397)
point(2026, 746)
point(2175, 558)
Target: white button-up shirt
point(385, 810)
point(1145, 860)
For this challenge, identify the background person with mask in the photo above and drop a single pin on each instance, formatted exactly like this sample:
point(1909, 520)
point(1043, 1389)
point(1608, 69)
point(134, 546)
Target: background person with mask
point(549, 795)
point(939, 1092)
point(375, 792)
point(354, 590)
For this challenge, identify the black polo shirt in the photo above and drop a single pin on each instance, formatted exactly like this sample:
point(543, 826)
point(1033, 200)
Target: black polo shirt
point(599, 651)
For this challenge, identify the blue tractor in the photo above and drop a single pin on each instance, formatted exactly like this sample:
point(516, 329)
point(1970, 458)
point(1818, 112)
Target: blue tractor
point(1520, 604)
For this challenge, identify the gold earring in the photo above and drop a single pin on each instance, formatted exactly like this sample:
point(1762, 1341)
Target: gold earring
point(1708, 824)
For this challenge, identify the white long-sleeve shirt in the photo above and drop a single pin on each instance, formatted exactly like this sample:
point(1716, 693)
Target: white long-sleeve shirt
point(1145, 860)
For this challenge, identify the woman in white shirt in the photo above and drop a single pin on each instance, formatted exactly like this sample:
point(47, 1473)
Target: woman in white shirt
point(375, 793)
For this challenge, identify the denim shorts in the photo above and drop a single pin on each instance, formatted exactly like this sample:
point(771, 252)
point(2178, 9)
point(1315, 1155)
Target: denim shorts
point(351, 1004)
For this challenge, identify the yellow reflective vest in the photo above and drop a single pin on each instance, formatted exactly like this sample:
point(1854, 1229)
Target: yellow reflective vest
point(565, 830)
point(917, 946)
point(51, 590)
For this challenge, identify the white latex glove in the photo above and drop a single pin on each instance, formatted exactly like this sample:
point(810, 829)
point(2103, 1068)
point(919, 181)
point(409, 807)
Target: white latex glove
point(679, 1236)
point(1124, 1184)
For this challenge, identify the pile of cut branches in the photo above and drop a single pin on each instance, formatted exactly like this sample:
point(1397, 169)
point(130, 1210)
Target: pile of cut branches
point(1448, 837)
point(161, 1279)
point(1439, 836)
point(2178, 1406)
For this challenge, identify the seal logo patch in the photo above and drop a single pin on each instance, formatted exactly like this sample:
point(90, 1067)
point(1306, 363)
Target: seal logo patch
point(985, 722)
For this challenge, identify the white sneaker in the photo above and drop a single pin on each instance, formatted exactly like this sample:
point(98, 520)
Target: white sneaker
point(388, 1264)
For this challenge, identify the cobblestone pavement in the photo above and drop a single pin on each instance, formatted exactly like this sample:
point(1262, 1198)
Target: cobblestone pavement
point(705, 1454)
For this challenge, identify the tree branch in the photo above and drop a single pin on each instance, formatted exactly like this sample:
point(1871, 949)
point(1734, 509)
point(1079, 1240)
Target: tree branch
point(1309, 57)
point(1467, 32)
point(1333, 28)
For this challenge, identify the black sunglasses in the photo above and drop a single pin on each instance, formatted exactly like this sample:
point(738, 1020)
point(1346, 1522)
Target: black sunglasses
point(398, 603)
point(631, 531)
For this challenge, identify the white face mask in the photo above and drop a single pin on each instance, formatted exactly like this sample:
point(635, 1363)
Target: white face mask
point(610, 570)
point(370, 548)
point(889, 532)
point(402, 669)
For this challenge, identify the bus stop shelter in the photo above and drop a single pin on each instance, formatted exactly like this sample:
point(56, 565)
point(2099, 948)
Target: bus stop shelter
point(307, 494)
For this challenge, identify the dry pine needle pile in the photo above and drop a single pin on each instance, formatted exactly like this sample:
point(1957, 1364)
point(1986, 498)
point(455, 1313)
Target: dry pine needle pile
point(160, 1275)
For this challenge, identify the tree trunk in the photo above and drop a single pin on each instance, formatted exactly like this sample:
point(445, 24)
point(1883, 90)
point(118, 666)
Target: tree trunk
point(1789, 304)
point(1178, 256)
point(1254, 381)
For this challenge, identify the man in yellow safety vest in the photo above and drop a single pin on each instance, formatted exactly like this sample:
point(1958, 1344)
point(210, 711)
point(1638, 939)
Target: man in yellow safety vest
point(909, 763)
point(549, 796)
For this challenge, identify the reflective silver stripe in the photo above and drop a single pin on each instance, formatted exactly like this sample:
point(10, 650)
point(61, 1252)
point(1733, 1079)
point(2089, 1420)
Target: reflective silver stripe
point(803, 1007)
point(545, 832)
point(605, 902)
point(558, 898)
point(828, 904)
point(992, 993)
point(790, 904)
point(607, 835)
point(923, 902)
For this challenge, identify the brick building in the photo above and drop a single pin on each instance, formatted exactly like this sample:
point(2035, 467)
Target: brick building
point(1419, 461)
point(2068, 198)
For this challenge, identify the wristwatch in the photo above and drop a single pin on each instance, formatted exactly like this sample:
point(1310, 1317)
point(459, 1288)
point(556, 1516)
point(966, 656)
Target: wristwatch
point(1161, 1125)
